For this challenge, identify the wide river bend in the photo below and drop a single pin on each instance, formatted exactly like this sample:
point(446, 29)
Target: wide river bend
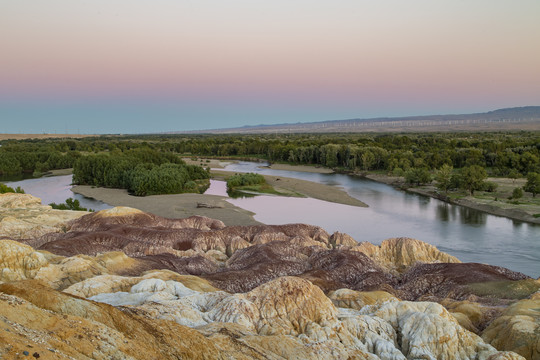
point(470, 235)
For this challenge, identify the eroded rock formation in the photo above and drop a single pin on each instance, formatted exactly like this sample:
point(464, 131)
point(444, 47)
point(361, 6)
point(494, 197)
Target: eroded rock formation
point(125, 284)
point(23, 217)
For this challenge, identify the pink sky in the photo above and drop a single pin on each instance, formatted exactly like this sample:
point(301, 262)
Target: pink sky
point(368, 57)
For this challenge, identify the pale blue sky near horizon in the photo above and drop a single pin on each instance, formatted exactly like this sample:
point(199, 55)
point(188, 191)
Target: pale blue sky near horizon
point(119, 66)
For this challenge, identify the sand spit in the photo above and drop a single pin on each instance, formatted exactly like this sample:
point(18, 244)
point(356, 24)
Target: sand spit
point(301, 168)
point(172, 206)
point(304, 187)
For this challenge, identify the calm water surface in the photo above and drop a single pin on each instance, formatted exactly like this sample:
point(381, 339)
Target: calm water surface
point(56, 189)
point(470, 235)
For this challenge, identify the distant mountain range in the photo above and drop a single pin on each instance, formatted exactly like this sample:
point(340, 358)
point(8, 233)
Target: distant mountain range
point(518, 118)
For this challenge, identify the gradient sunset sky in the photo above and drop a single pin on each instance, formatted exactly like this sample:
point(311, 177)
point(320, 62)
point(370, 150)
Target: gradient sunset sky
point(119, 66)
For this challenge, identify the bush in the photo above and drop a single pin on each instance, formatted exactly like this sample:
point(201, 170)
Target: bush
point(489, 186)
point(70, 204)
point(516, 194)
point(248, 179)
point(6, 189)
point(397, 171)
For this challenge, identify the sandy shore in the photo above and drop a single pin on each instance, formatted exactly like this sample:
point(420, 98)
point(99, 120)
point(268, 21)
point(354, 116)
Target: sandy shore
point(301, 168)
point(59, 172)
point(172, 206)
point(303, 187)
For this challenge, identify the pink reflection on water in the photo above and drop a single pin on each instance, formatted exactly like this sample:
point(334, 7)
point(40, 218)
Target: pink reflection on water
point(217, 188)
point(282, 210)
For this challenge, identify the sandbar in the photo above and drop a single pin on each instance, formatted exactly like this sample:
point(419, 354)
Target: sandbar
point(216, 207)
point(300, 168)
point(208, 162)
point(172, 206)
point(303, 187)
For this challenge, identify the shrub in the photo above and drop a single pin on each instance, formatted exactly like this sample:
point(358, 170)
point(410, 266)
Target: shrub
point(6, 189)
point(244, 180)
point(489, 186)
point(517, 194)
point(397, 171)
point(70, 204)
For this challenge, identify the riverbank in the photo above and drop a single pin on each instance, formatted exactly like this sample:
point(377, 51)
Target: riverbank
point(303, 187)
point(300, 168)
point(489, 205)
point(222, 163)
point(208, 162)
point(173, 206)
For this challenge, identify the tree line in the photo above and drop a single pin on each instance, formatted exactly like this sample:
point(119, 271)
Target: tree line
point(498, 153)
point(417, 157)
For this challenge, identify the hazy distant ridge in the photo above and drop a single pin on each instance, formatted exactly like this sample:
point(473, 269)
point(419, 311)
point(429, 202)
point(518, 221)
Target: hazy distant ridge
point(527, 117)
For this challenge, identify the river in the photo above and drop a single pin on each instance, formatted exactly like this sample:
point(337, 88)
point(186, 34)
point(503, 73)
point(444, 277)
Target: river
point(55, 189)
point(470, 235)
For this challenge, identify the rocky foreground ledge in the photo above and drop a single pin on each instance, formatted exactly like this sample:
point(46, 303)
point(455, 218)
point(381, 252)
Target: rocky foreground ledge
point(126, 284)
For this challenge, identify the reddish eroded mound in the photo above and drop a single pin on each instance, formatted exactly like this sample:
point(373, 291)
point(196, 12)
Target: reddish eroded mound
point(258, 264)
point(445, 280)
point(128, 216)
point(140, 234)
point(240, 258)
point(336, 269)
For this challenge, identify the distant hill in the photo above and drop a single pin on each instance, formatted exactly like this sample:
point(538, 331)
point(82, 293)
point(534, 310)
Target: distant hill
point(518, 118)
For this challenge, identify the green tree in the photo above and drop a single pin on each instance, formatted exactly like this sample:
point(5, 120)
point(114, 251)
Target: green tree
point(472, 178)
point(444, 178)
point(368, 159)
point(418, 176)
point(533, 183)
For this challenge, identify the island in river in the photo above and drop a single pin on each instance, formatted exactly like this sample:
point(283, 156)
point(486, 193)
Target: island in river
point(214, 206)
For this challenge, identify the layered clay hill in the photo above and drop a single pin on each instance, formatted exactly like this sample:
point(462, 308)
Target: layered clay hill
point(124, 284)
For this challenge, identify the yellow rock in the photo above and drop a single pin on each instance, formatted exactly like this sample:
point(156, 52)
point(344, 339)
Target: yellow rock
point(398, 254)
point(19, 261)
point(23, 217)
point(517, 329)
point(119, 211)
point(287, 304)
point(347, 298)
point(55, 325)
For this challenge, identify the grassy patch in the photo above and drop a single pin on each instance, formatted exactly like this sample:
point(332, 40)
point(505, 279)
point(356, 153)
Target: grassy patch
point(505, 289)
point(239, 185)
point(257, 189)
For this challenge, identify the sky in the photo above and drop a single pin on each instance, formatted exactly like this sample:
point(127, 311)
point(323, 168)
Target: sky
point(139, 66)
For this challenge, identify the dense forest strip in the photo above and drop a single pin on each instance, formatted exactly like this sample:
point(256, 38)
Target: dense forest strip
point(499, 153)
point(454, 160)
